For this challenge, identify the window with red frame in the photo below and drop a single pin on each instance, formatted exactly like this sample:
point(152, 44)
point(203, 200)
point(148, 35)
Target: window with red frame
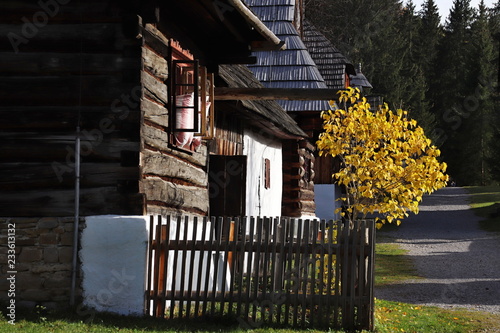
point(192, 105)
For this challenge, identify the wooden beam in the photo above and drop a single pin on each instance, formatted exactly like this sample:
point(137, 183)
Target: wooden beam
point(293, 94)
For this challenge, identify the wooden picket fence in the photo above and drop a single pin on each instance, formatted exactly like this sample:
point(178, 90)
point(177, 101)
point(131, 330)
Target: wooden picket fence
point(273, 271)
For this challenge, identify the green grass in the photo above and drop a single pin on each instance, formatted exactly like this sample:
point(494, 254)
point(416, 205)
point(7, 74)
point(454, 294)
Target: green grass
point(483, 202)
point(393, 317)
point(390, 317)
point(392, 265)
point(68, 322)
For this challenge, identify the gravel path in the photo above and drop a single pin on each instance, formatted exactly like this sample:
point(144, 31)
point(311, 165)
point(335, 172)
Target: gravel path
point(460, 263)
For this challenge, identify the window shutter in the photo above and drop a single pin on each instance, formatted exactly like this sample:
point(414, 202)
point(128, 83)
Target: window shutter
point(267, 173)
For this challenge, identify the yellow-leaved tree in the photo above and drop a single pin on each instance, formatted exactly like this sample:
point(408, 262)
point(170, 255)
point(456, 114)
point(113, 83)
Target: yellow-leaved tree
point(387, 162)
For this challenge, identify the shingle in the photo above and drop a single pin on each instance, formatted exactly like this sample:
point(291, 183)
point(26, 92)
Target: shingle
point(269, 2)
point(292, 68)
point(239, 76)
point(330, 61)
point(270, 13)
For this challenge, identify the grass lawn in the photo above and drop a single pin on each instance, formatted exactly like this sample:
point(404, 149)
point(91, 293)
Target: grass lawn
point(390, 317)
point(392, 265)
point(485, 201)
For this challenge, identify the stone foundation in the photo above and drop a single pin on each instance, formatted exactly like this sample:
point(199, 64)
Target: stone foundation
point(44, 254)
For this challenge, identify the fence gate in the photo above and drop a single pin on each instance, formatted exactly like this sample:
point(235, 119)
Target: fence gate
point(273, 271)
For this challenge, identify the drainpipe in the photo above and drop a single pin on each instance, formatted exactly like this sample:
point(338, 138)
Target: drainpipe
point(77, 218)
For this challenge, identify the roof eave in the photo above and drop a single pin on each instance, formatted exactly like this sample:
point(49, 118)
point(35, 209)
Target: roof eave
point(272, 42)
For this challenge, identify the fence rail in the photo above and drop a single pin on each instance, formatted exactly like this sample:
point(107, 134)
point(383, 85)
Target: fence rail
point(278, 271)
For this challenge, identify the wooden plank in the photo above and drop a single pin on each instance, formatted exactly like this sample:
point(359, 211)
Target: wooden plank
point(158, 269)
point(87, 12)
point(155, 64)
point(93, 37)
point(218, 239)
point(57, 119)
point(289, 270)
point(63, 90)
point(232, 261)
point(159, 139)
point(241, 262)
point(50, 202)
point(272, 269)
point(303, 273)
point(165, 254)
point(175, 195)
point(256, 246)
point(280, 270)
point(174, 267)
point(155, 112)
point(158, 164)
point(191, 275)
point(226, 224)
point(256, 269)
point(57, 64)
point(32, 176)
point(154, 88)
point(249, 272)
point(156, 40)
point(149, 287)
point(62, 152)
point(205, 299)
point(265, 269)
point(293, 94)
point(219, 297)
point(183, 267)
point(201, 266)
point(322, 276)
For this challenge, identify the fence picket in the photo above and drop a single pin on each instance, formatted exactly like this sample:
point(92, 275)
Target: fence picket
point(200, 269)
point(226, 227)
point(298, 244)
point(191, 265)
point(148, 297)
point(216, 258)
point(209, 258)
point(165, 240)
point(305, 263)
point(249, 268)
point(241, 263)
point(233, 237)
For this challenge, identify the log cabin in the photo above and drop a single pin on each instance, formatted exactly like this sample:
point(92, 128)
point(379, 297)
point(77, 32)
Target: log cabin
point(107, 114)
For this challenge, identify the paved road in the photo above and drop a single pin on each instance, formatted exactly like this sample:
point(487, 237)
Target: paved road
point(460, 263)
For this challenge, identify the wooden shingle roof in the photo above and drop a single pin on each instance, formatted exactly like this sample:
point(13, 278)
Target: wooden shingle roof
point(332, 64)
point(289, 68)
point(267, 113)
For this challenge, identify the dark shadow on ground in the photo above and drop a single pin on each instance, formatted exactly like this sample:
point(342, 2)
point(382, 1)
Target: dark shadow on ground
point(459, 261)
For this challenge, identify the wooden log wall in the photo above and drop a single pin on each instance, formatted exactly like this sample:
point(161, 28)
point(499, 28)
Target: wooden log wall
point(298, 175)
point(174, 181)
point(65, 64)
